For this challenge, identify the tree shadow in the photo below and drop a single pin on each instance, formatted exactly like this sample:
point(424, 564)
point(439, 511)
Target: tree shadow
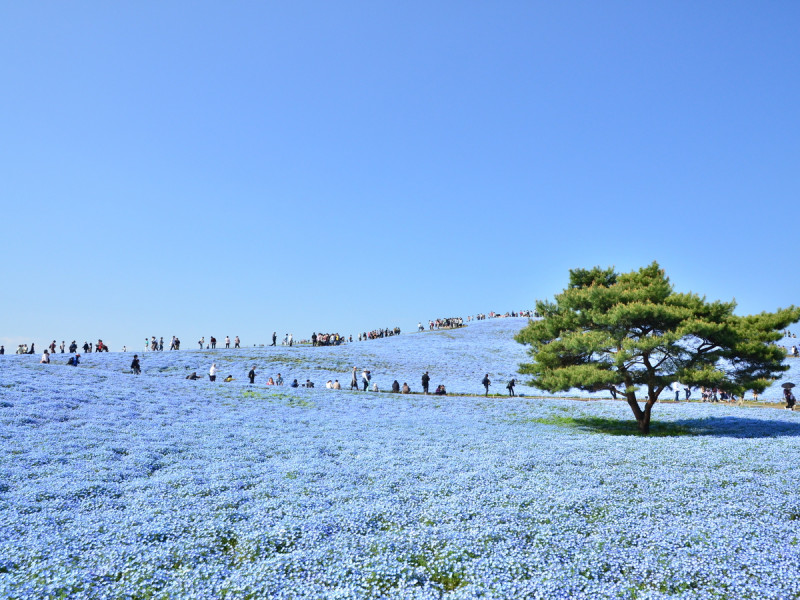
point(736, 427)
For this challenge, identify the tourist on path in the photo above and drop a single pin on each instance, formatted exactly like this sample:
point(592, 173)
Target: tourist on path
point(486, 382)
point(252, 374)
point(510, 387)
point(365, 377)
point(135, 367)
point(426, 380)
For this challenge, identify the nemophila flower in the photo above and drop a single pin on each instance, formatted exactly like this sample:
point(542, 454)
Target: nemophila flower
point(114, 486)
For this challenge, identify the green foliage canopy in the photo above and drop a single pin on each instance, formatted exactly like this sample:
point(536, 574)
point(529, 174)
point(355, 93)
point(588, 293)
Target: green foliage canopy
point(623, 332)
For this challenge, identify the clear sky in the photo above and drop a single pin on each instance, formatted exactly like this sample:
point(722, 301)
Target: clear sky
point(237, 168)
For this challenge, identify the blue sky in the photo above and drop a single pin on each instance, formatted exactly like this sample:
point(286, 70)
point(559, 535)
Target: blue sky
point(198, 168)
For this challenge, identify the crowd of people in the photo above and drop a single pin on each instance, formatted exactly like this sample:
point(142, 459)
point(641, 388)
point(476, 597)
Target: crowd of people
point(377, 334)
point(327, 339)
point(156, 344)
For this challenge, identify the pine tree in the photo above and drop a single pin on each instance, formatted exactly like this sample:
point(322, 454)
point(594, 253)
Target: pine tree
point(632, 331)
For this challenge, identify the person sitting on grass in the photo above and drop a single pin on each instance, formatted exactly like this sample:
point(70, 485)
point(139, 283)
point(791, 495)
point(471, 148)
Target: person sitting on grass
point(440, 391)
point(406, 389)
point(228, 378)
point(395, 387)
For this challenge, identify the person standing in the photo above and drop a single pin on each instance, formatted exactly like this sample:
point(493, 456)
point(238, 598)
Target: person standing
point(354, 380)
point(252, 374)
point(202, 341)
point(365, 377)
point(676, 387)
point(688, 391)
point(236, 342)
point(274, 337)
point(290, 339)
point(135, 367)
point(486, 383)
point(212, 372)
point(426, 380)
point(227, 342)
point(213, 342)
point(510, 387)
point(62, 346)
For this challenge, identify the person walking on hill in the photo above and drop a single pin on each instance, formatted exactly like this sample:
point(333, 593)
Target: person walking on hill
point(236, 342)
point(227, 342)
point(274, 337)
point(354, 380)
point(426, 380)
point(486, 383)
point(135, 367)
point(252, 374)
point(212, 372)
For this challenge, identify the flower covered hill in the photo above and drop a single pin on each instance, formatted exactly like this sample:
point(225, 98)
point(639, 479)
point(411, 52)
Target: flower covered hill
point(115, 486)
point(457, 358)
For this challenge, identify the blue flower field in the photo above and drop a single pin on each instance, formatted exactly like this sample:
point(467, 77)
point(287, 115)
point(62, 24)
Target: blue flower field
point(152, 486)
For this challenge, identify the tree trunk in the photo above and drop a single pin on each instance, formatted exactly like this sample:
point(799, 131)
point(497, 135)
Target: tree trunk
point(642, 416)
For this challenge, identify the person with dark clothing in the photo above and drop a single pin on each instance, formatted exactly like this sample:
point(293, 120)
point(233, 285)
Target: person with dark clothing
point(135, 365)
point(252, 374)
point(486, 383)
point(789, 397)
point(213, 342)
point(73, 347)
point(426, 380)
point(510, 387)
point(74, 361)
point(2, 349)
point(193, 376)
point(314, 339)
point(294, 384)
point(32, 351)
point(274, 337)
point(395, 387)
point(440, 391)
